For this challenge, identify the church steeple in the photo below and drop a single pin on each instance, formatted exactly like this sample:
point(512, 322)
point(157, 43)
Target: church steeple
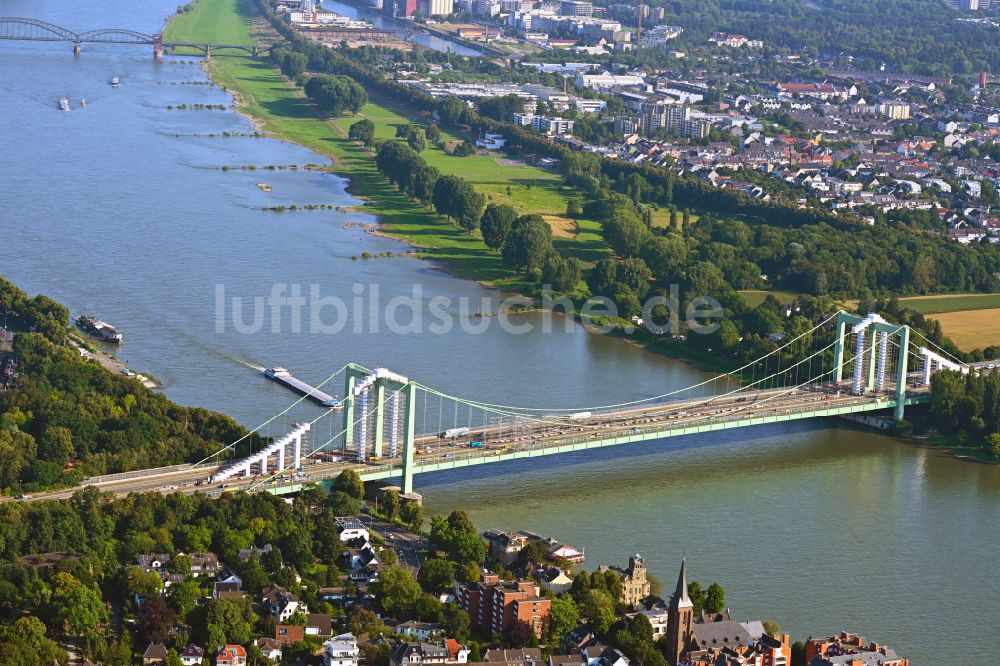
point(680, 619)
point(681, 598)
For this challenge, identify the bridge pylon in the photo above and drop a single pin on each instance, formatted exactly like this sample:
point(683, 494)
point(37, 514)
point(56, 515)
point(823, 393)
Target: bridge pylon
point(873, 340)
point(158, 47)
point(76, 48)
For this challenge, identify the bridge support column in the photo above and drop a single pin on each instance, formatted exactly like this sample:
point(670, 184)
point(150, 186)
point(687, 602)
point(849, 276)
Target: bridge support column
point(872, 362)
point(297, 453)
point(263, 466)
point(901, 359)
point(859, 357)
point(281, 459)
point(838, 349)
point(394, 426)
point(379, 419)
point(255, 52)
point(409, 437)
point(883, 351)
point(208, 51)
point(157, 48)
point(362, 440)
point(348, 403)
point(76, 49)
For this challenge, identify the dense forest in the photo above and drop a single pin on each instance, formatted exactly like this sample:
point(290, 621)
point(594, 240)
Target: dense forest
point(64, 417)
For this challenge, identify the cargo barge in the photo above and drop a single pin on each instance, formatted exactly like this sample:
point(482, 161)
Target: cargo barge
point(285, 378)
point(101, 330)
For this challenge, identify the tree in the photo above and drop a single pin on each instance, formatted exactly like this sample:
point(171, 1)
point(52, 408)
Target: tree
point(697, 596)
point(452, 111)
point(469, 573)
point(24, 643)
point(436, 575)
point(396, 589)
point(142, 583)
point(519, 634)
point(433, 133)
point(227, 621)
point(528, 244)
point(78, 608)
point(772, 627)
point(626, 234)
point(715, 599)
point(457, 623)
point(564, 615)
point(496, 223)
point(599, 609)
point(155, 620)
point(993, 441)
point(363, 621)
point(336, 95)
point(457, 199)
point(363, 131)
point(350, 483)
point(184, 597)
point(573, 208)
point(412, 513)
point(56, 445)
point(427, 608)
point(390, 504)
point(562, 274)
point(416, 140)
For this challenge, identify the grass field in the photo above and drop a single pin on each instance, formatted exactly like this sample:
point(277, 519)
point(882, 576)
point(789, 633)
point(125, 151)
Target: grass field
point(971, 329)
point(951, 302)
point(755, 297)
point(281, 109)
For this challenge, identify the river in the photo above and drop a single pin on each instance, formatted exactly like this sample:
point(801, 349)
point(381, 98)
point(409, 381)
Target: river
point(122, 209)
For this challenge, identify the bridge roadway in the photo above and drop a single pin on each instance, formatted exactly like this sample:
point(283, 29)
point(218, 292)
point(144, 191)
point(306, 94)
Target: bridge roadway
point(547, 435)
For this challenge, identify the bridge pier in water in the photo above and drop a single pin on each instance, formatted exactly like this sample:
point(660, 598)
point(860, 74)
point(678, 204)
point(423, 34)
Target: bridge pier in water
point(76, 48)
point(158, 47)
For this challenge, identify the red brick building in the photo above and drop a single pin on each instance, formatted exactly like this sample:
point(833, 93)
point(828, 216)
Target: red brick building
point(496, 605)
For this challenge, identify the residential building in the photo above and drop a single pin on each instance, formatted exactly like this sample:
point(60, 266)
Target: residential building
point(270, 648)
point(350, 528)
point(553, 579)
point(289, 633)
point(895, 110)
point(231, 655)
point(155, 655)
point(658, 620)
point(280, 603)
point(496, 605)
point(575, 8)
point(319, 624)
point(228, 588)
point(204, 564)
point(635, 585)
point(422, 631)
point(659, 35)
point(448, 651)
point(192, 655)
point(848, 649)
point(154, 562)
point(341, 650)
point(518, 657)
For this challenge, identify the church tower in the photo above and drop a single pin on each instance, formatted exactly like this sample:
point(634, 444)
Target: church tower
point(680, 618)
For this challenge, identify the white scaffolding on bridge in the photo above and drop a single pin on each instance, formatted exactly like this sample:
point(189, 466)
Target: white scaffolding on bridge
point(287, 447)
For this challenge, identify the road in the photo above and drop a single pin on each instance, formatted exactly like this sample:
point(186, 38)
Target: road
point(524, 435)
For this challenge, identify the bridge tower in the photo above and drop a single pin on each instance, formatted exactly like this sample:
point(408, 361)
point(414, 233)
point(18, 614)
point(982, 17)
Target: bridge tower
point(208, 51)
point(76, 48)
point(158, 47)
point(873, 339)
point(380, 418)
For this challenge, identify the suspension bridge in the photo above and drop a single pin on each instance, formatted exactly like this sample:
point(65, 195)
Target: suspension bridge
point(29, 29)
point(389, 426)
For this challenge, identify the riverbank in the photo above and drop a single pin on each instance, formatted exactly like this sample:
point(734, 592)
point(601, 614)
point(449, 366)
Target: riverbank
point(274, 105)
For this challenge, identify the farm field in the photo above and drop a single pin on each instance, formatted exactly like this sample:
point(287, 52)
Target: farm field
point(951, 302)
point(971, 329)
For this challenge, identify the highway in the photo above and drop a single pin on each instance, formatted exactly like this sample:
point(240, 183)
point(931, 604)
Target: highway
point(524, 435)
